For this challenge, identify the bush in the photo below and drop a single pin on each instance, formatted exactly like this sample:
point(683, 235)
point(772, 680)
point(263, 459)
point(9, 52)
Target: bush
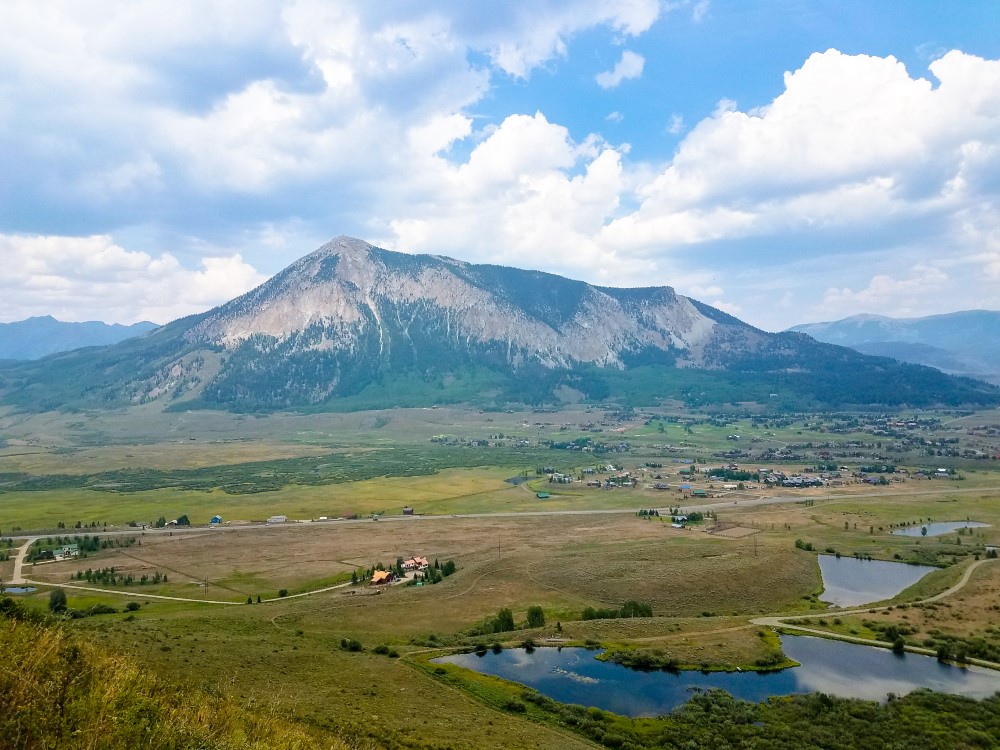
point(504, 621)
point(628, 609)
point(283, 592)
point(57, 601)
point(636, 609)
point(132, 607)
point(536, 617)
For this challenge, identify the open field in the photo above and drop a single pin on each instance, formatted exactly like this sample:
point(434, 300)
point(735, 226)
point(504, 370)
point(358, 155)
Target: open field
point(570, 561)
point(286, 652)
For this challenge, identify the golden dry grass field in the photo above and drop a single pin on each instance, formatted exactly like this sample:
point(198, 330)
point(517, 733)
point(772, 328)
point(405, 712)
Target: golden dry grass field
point(286, 652)
point(568, 560)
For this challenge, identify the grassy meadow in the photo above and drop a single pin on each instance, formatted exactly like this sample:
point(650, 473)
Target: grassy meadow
point(703, 583)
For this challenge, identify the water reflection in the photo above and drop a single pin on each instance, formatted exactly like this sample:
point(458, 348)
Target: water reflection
point(573, 675)
point(938, 528)
point(849, 582)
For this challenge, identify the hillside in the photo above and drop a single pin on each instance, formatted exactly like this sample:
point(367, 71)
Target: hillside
point(64, 692)
point(351, 326)
point(38, 337)
point(961, 343)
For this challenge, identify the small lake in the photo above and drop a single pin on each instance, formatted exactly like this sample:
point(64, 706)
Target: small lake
point(573, 675)
point(849, 582)
point(19, 589)
point(939, 527)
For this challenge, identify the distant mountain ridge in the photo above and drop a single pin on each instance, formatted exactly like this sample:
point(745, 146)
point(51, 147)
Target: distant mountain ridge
point(40, 336)
point(961, 343)
point(354, 326)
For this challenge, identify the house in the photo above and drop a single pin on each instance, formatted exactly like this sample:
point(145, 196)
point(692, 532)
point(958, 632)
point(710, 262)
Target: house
point(542, 495)
point(699, 493)
point(416, 563)
point(382, 577)
point(277, 519)
point(69, 550)
point(407, 511)
point(216, 520)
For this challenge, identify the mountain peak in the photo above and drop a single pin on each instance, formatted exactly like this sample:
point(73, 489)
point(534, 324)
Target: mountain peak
point(343, 245)
point(351, 297)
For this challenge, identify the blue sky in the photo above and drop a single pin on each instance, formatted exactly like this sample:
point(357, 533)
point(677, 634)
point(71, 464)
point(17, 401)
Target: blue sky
point(786, 161)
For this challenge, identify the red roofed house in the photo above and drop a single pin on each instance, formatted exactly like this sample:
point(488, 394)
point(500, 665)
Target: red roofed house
point(382, 577)
point(416, 563)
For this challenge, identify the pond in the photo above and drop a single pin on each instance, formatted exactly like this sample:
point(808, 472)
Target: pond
point(573, 675)
point(939, 527)
point(849, 582)
point(19, 589)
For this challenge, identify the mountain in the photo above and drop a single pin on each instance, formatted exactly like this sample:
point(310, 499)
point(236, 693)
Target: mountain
point(37, 337)
point(961, 343)
point(354, 326)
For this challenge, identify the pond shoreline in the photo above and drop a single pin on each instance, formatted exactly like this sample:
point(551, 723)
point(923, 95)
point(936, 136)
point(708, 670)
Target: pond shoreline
point(781, 622)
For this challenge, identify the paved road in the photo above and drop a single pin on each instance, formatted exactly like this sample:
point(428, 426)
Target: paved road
point(785, 499)
point(720, 505)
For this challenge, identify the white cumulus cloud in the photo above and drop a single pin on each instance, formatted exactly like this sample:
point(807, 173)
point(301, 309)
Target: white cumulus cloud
point(628, 67)
point(92, 278)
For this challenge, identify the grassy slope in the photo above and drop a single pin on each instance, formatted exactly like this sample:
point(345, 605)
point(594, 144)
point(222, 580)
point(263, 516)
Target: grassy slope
point(59, 691)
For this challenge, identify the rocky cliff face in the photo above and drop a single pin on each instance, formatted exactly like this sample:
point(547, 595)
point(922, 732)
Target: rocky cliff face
point(348, 294)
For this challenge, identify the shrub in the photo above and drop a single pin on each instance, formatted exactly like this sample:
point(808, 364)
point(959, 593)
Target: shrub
point(132, 607)
point(536, 617)
point(504, 621)
point(57, 601)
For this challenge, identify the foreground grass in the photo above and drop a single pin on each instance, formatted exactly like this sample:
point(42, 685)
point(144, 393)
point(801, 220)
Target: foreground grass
point(58, 691)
